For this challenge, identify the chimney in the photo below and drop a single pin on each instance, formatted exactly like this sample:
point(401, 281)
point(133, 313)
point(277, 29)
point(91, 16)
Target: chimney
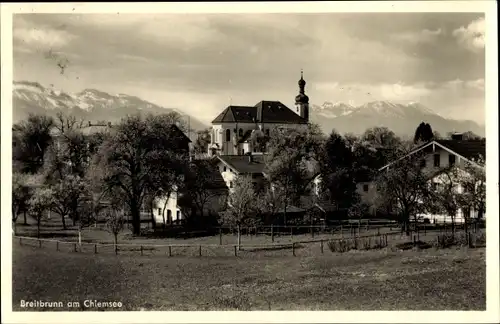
point(457, 136)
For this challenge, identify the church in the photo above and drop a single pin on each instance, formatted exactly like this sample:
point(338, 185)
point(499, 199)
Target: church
point(237, 129)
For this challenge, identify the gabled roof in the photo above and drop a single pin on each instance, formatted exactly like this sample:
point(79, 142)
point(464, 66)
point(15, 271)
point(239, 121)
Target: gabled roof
point(466, 149)
point(216, 180)
point(276, 112)
point(263, 112)
point(469, 149)
point(241, 163)
point(178, 132)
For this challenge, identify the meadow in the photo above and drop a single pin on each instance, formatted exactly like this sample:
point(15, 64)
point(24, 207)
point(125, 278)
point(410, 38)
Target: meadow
point(445, 279)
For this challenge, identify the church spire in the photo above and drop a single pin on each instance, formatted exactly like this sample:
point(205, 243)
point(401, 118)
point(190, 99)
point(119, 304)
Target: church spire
point(302, 82)
point(302, 100)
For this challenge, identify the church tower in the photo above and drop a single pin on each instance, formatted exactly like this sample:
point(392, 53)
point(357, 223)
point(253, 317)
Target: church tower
point(302, 100)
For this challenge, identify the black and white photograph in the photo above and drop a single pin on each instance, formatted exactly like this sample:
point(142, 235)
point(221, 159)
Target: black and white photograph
point(237, 158)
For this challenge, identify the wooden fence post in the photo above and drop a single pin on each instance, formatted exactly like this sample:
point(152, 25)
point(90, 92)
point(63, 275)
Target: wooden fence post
point(235, 251)
point(291, 233)
point(40, 243)
point(272, 233)
point(293, 248)
point(220, 235)
point(116, 249)
point(142, 251)
point(74, 247)
point(57, 245)
point(95, 248)
point(199, 250)
point(341, 230)
point(169, 250)
point(378, 231)
point(20, 241)
point(322, 251)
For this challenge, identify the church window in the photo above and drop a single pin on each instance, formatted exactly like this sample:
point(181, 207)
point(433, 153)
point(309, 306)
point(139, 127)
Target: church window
point(228, 135)
point(240, 132)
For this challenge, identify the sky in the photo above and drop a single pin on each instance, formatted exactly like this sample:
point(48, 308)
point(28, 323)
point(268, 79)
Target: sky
point(201, 63)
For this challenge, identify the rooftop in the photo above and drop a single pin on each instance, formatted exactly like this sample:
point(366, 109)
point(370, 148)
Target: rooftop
point(242, 164)
point(262, 112)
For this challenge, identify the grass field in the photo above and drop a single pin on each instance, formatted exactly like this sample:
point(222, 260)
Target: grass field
point(449, 279)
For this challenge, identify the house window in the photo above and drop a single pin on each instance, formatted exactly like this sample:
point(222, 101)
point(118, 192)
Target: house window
point(224, 169)
point(242, 151)
point(228, 135)
point(169, 216)
point(230, 184)
point(365, 187)
point(437, 160)
point(240, 132)
point(451, 159)
point(159, 211)
point(178, 215)
point(422, 163)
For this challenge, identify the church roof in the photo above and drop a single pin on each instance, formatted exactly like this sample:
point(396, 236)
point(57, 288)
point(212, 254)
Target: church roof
point(263, 112)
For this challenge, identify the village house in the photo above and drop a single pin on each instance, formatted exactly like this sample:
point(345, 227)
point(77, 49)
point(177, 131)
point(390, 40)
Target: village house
point(441, 155)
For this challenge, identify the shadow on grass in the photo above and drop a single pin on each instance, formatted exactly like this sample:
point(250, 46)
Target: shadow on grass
point(410, 245)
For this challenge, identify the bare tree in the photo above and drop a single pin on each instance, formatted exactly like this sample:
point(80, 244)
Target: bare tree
point(65, 122)
point(473, 184)
point(404, 186)
point(241, 205)
point(23, 187)
point(114, 223)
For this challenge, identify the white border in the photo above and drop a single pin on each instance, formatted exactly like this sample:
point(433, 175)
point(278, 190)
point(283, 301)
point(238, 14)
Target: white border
point(493, 302)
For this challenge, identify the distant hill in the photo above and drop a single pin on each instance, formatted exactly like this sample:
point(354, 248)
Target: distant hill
point(90, 104)
point(95, 105)
point(400, 118)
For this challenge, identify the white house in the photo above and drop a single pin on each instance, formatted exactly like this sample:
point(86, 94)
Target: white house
point(444, 154)
point(237, 129)
point(167, 210)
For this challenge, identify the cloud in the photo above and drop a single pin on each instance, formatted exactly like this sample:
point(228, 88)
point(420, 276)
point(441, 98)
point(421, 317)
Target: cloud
point(418, 37)
point(48, 38)
point(472, 36)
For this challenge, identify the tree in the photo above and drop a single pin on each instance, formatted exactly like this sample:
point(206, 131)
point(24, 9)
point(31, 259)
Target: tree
point(405, 187)
point(383, 142)
point(199, 189)
point(202, 141)
point(114, 223)
point(271, 202)
point(142, 156)
point(292, 160)
point(423, 133)
point(68, 195)
point(445, 194)
point(30, 140)
point(473, 183)
point(338, 171)
point(39, 204)
point(241, 204)
point(64, 122)
point(23, 186)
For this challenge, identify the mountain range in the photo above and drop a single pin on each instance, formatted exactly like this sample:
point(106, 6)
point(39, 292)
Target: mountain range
point(402, 119)
point(94, 105)
point(90, 104)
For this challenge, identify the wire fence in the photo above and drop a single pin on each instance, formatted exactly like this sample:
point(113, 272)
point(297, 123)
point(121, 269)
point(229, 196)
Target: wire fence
point(299, 247)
